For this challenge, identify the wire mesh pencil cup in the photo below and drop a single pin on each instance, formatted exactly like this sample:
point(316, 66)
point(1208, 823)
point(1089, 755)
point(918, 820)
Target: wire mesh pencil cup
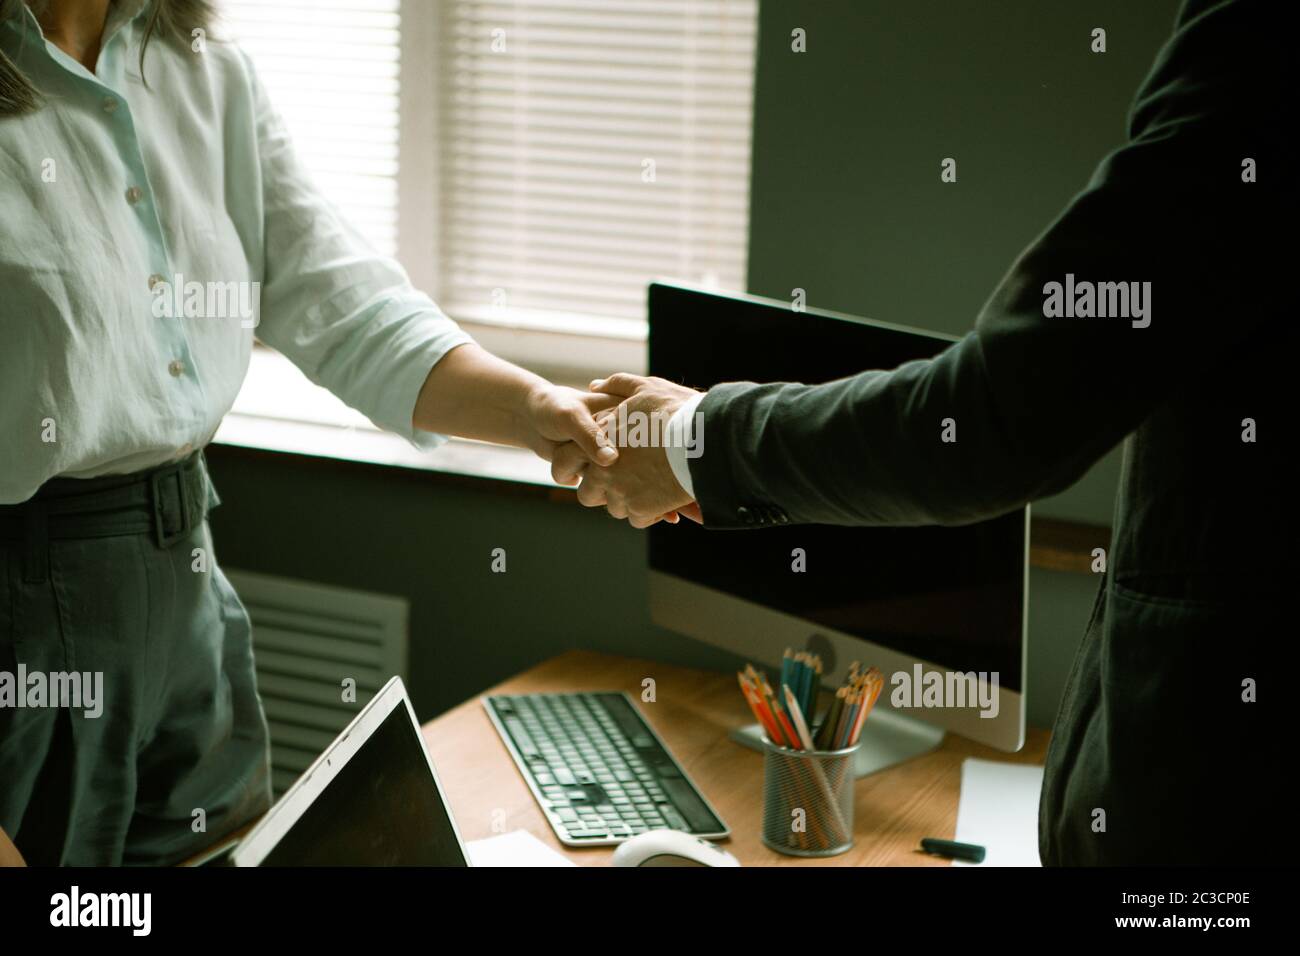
point(808, 800)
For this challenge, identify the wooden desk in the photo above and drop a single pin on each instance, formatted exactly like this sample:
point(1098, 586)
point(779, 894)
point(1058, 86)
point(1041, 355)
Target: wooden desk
point(693, 712)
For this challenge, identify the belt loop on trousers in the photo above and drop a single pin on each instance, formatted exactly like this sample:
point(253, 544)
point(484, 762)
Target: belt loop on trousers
point(36, 543)
point(167, 492)
point(178, 497)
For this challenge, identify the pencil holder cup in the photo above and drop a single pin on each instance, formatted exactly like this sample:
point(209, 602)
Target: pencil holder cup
point(808, 800)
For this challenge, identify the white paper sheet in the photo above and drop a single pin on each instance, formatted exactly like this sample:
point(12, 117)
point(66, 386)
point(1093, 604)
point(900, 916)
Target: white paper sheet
point(517, 848)
point(998, 810)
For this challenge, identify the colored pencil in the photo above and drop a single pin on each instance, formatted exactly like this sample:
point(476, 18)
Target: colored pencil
point(751, 696)
point(826, 732)
point(796, 717)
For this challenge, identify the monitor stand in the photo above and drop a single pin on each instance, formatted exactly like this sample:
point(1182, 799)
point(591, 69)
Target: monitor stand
point(888, 738)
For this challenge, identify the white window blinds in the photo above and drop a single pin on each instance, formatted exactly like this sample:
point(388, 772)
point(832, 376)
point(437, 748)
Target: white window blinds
point(331, 67)
point(589, 146)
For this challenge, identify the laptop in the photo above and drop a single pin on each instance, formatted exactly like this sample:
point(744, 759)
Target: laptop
point(373, 798)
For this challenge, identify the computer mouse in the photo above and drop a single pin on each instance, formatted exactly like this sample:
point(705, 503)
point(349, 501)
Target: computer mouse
point(671, 848)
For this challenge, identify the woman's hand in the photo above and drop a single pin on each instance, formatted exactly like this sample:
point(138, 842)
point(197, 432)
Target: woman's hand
point(474, 394)
point(555, 415)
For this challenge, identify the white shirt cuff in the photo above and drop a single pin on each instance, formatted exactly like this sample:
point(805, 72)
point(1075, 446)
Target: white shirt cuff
point(681, 439)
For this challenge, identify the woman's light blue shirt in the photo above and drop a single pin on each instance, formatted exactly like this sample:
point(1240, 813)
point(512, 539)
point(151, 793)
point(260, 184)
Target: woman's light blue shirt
point(146, 235)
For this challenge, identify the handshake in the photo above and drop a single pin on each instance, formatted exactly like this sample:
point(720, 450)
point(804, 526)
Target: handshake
point(615, 442)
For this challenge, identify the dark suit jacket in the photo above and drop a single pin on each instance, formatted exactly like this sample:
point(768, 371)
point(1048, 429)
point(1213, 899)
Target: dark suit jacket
point(1155, 756)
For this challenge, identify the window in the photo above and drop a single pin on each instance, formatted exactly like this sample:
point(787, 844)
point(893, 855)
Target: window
point(331, 68)
point(589, 146)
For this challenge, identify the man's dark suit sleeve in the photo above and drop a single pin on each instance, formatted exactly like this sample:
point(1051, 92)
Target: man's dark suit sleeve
point(1034, 400)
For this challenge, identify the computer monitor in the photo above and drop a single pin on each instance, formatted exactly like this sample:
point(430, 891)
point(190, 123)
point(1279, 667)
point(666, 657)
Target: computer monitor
point(372, 798)
point(941, 611)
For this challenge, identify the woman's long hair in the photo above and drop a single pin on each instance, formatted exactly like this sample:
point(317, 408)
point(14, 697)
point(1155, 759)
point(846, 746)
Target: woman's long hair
point(170, 19)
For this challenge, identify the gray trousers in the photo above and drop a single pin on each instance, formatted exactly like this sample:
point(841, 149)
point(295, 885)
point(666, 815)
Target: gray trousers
point(178, 753)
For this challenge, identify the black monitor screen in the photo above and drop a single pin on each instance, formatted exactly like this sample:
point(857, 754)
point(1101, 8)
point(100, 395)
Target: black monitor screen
point(952, 596)
point(382, 809)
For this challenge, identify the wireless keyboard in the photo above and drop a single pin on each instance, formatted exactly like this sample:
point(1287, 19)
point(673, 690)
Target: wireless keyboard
point(598, 770)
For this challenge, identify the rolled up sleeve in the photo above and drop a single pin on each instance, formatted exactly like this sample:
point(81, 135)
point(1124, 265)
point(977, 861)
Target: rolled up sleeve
point(344, 314)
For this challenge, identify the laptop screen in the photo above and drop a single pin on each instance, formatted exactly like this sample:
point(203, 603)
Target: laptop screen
point(382, 808)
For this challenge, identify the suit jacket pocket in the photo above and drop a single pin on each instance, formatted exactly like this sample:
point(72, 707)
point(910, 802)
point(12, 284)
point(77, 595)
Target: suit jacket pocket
point(1180, 736)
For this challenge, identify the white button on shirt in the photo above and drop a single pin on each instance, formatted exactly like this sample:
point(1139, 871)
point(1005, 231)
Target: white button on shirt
point(112, 194)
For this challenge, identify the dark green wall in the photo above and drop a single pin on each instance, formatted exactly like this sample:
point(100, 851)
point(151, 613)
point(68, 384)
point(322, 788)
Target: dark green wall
point(846, 200)
point(574, 577)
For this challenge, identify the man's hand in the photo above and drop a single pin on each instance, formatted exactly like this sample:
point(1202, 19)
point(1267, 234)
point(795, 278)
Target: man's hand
point(640, 486)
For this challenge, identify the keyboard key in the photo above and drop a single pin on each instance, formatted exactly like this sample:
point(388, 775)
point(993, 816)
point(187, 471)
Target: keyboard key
point(674, 820)
point(690, 805)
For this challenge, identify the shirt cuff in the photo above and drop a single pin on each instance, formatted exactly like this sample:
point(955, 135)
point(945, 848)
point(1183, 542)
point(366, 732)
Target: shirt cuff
point(681, 434)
